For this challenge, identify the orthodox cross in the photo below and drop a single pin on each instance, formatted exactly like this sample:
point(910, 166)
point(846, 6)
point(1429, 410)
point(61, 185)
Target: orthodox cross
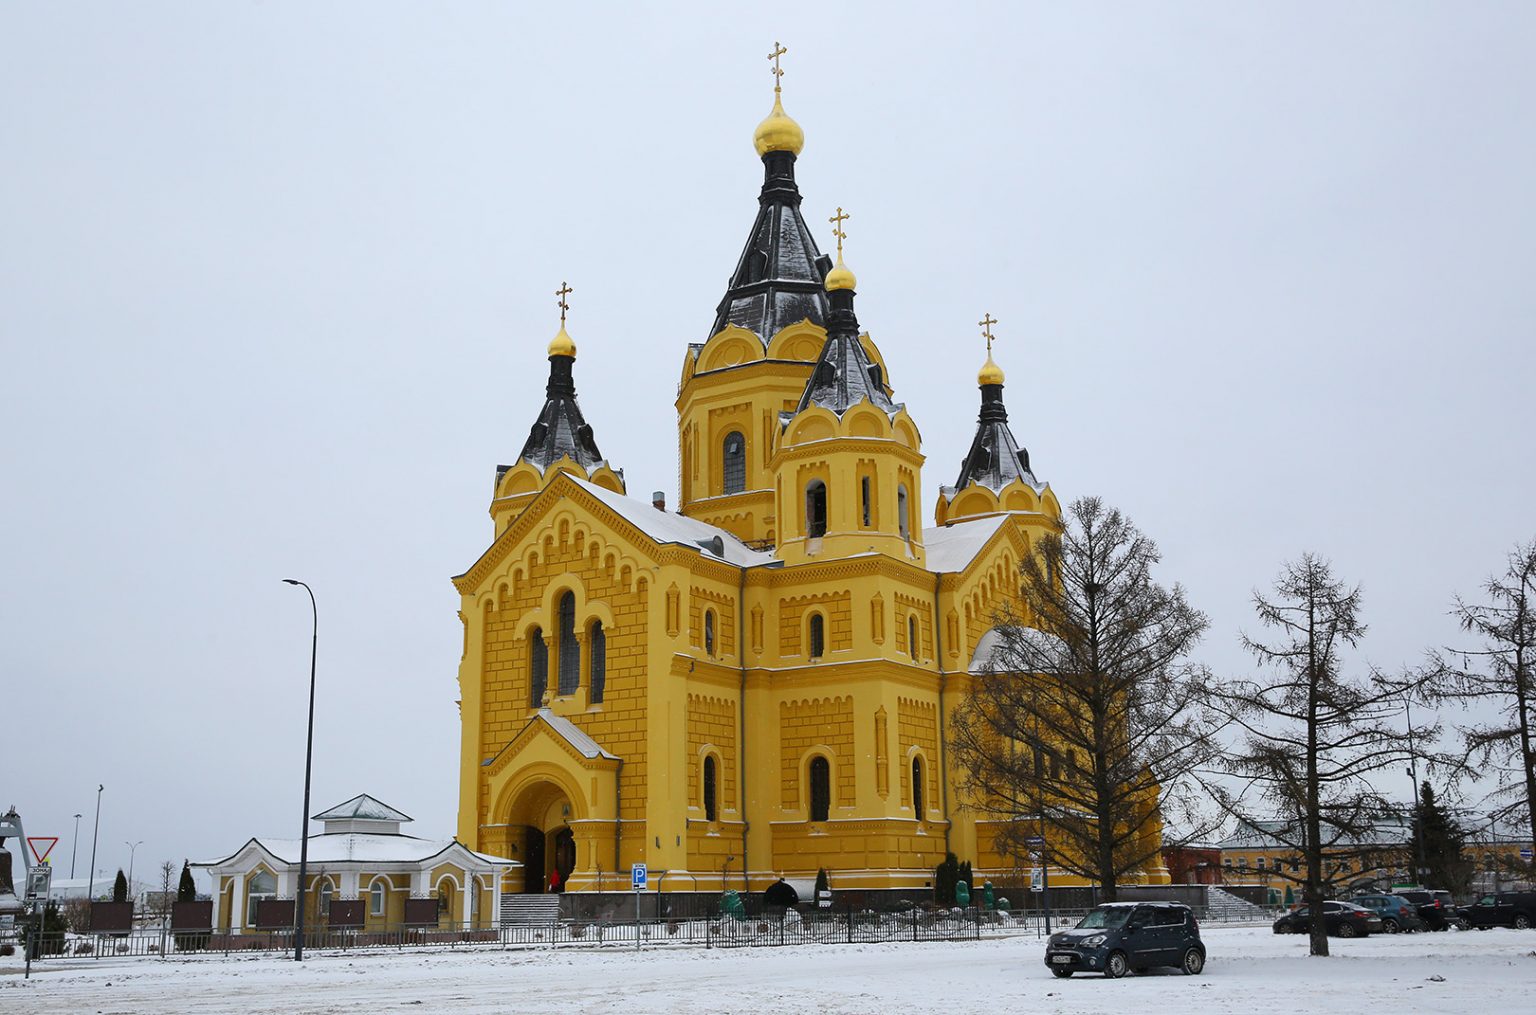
point(986, 329)
point(837, 229)
point(562, 292)
point(778, 72)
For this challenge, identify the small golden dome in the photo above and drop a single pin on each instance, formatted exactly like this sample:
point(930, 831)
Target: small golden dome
point(840, 277)
point(778, 133)
point(562, 345)
point(991, 373)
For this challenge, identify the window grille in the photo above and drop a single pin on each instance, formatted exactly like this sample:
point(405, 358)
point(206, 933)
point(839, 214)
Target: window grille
point(735, 470)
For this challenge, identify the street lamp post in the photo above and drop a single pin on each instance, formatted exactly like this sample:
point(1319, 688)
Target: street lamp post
point(309, 753)
point(133, 847)
point(90, 889)
point(74, 847)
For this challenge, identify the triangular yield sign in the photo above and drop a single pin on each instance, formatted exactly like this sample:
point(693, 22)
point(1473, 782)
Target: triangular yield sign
point(47, 842)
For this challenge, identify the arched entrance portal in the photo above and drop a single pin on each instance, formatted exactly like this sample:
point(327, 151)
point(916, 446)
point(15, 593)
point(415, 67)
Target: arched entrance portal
point(539, 821)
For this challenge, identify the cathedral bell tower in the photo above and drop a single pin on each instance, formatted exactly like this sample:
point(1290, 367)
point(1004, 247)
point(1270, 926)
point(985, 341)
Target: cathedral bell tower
point(560, 439)
point(768, 329)
point(847, 459)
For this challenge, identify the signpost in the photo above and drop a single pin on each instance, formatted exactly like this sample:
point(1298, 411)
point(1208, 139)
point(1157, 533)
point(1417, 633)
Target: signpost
point(39, 879)
point(1042, 882)
point(638, 876)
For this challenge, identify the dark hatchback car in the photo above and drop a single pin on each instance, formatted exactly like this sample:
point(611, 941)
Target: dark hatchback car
point(1121, 936)
point(1503, 909)
point(1436, 907)
point(1340, 919)
point(1398, 915)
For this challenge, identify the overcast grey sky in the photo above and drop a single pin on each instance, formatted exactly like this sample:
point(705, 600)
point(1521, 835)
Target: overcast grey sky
point(276, 282)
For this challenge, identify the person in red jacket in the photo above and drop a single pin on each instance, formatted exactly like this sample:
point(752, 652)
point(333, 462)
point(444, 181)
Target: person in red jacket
point(554, 880)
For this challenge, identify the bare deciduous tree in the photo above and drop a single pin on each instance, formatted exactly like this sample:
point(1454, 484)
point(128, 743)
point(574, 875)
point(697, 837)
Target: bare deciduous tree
point(1502, 672)
point(1311, 738)
point(1087, 716)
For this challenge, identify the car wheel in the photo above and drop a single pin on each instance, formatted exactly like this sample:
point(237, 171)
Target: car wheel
point(1061, 974)
point(1522, 921)
point(1194, 962)
point(1348, 930)
point(1390, 926)
point(1115, 966)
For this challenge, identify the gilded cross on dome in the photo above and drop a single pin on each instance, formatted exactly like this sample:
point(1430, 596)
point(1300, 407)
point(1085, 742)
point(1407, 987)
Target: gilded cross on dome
point(562, 292)
point(837, 229)
point(778, 72)
point(986, 329)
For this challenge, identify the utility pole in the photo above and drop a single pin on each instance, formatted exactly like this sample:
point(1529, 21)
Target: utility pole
point(90, 890)
point(74, 848)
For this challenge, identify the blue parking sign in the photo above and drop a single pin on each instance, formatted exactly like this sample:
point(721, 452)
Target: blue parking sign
point(637, 877)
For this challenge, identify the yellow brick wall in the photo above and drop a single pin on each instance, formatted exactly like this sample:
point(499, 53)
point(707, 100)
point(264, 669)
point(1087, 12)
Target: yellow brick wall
point(836, 607)
point(712, 721)
point(700, 600)
point(917, 725)
point(805, 723)
point(907, 606)
point(619, 723)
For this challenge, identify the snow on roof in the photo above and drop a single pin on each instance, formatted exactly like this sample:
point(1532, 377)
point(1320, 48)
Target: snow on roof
point(953, 547)
point(988, 643)
point(362, 808)
point(573, 735)
point(665, 527)
point(360, 847)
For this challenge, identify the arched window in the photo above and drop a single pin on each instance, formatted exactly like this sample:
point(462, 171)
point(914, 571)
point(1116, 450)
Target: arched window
point(326, 891)
point(597, 649)
point(735, 469)
point(816, 509)
point(902, 513)
point(538, 667)
point(912, 636)
point(262, 886)
point(709, 632)
point(818, 636)
point(821, 788)
point(917, 787)
point(864, 490)
point(709, 788)
point(376, 898)
point(570, 651)
point(476, 886)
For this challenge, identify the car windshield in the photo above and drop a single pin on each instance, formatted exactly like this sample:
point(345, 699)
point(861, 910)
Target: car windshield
point(1106, 918)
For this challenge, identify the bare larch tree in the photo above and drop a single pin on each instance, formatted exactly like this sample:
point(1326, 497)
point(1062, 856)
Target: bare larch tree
point(1311, 738)
point(1086, 716)
point(1501, 673)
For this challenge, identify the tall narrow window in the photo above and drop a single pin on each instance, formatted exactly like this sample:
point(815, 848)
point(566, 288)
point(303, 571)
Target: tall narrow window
point(327, 890)
point(821, 788)
point(818, 633)
point(912, 636)
point(261, 886)
point(376, 899)
point(538, 667)
point(709, 788)
point(570, 651)
point(709, 632)
point(917, 788)
point(816, 509)
point(868, 509)
point(597, 651)
point(735, 467)
point(902, 514)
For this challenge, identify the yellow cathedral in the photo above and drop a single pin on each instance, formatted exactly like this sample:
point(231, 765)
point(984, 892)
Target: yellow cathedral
point(757, 684)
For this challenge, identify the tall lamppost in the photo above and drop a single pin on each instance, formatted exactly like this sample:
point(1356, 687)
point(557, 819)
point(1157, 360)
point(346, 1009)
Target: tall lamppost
point(309, 753)
point(90, 889)
point(74, 847)
point(133, 847)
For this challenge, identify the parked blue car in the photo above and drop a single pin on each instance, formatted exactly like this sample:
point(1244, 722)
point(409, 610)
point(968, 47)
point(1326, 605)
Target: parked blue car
point(1398, 915)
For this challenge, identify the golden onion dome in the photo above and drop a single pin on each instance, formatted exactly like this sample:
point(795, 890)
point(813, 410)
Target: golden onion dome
point(562, 344)
point(840, 277)
point(991, 373)
point(778, 133)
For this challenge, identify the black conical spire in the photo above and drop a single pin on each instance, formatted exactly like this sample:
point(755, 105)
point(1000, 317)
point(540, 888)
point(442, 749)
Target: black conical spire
point(995, 458)
point(560, 428)
point(844, 376)
point(777, 281)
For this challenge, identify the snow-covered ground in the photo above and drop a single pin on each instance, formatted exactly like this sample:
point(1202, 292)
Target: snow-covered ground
point(1251, 971)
